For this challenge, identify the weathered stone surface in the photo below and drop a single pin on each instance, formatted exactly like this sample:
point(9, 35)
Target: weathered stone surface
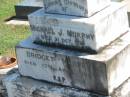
point(128, 6)
point(3, 74)
point(123, 90)
point(26, 7)
point(99, 73)
point(128, 9)
point(19, 86)
point(86, 34)
point(84, 8)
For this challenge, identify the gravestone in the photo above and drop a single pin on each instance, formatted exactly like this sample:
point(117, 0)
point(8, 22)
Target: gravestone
point(26, 7)
point(84, 56)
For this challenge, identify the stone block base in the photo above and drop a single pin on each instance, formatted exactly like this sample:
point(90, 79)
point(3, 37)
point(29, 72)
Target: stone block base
point(100, 73)
point(19, 86)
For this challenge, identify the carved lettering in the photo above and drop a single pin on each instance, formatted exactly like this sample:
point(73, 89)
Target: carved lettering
point(61, 36)
point(52, 3)
point(47, 32)
point(30, 62)
point(59, 79)
point(39, 56)
point(44, 30)
point(60, 33)
point(73, 34)
point(57, 40)
point(65, 41)
point(64, 4)
point(50, 63)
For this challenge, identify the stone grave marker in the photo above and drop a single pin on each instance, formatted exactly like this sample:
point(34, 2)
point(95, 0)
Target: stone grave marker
point(86, 54)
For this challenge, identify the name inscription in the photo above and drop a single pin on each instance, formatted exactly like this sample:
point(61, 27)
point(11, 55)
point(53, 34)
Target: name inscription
point(40, 56)
point(61, 36)
point(46, 62)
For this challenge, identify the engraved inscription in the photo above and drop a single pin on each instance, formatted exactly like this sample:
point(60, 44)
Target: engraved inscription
point(40, 56)
point(52, 21)
point(62, 36)
point(47, 63)
point(44, 30)
point(66, 4)
point(30, 62)
point(73, 34)
point(59, 79)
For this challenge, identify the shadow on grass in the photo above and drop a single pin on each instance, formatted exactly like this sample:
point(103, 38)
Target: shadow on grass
point(16, 18)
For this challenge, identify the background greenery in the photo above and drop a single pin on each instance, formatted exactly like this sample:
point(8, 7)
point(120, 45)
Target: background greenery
point(10, 35)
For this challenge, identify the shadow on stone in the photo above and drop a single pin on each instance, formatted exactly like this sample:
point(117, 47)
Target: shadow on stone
point(22, 12)
point(129, 18)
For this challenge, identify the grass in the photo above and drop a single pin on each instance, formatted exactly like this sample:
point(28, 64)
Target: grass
point(10, 35)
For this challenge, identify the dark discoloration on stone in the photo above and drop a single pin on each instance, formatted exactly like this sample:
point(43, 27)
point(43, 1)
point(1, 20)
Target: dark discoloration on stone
point(27, 87)
point(129, 18)
point(85, 49)
point(34, 88)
